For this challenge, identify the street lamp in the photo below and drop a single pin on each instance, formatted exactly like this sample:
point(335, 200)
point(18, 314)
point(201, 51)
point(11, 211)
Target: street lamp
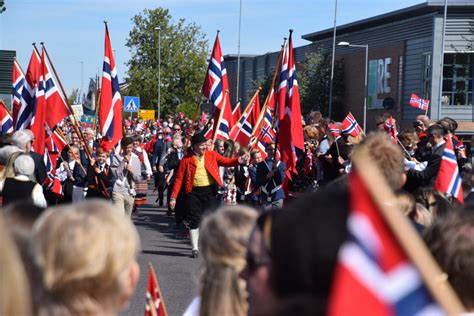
point(158, 105)
point(347, 44)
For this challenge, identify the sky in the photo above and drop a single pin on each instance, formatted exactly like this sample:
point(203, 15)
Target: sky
point(73, 30)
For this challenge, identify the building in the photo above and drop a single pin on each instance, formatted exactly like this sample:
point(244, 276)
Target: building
point(404, 57)
point(6, 74)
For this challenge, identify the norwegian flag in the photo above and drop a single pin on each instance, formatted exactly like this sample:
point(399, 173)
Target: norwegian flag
point(214, 89)
point(391, 128)
point(373, 275)
point(52, 182)
point(242, 131)
point(153, 299)
point(290, 134)
point(28, 99)
point(350, 126)
point(459, 146)
point(417, 102)
point(38, 122)
point(236, 112)
point(110, 113)
point(56, 105)
point(18, 84)
point(267, 133)
point(6, 120)
point(448, 180)
point(335, 130)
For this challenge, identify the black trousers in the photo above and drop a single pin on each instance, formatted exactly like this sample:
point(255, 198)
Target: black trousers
point(198, 201)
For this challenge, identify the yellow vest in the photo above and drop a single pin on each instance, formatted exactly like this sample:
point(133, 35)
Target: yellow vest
point(201, 178)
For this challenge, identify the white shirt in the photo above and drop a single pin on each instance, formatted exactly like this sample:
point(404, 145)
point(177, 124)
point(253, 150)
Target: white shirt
point(193, 308)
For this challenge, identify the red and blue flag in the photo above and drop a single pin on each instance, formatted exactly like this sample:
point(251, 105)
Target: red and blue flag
point(6, 120)
point(417, 102)
point(448, 180)
point(350, 126)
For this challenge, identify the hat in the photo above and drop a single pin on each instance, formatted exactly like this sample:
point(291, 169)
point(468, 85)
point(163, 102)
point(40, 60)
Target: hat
point(197, 139)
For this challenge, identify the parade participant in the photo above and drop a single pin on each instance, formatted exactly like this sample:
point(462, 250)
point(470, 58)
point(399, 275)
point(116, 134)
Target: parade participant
point(196, 176)
point(158, 172)
point(90, 141)
point(332, 162)
point(21, 187)
point(95, 272)
point(224, 237)
point(219, 147)
point(254, 196)
point(24, 140)
point(141, 186)
point(72, 175)
point(271, 174)
point(126, 170)
point(242, 178)
point(426, 177)
point(172, 161)
point(99, 176)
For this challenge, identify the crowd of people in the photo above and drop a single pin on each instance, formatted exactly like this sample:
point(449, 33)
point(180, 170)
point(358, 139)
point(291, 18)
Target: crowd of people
point(268, 243)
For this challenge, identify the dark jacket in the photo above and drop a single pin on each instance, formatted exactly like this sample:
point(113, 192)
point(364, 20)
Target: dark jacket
point(40, 168)
point(427, 177)
point(97, 182)
point(271, 188)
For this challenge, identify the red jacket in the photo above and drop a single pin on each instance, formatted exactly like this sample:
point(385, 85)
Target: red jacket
point(187, 170)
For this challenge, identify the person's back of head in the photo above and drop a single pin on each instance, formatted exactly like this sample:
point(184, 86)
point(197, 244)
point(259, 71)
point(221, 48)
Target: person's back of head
point(14, 289)
point(223, 239)
point(387, 156)
point(24, 165)
point(21, 139)
point(305, 240)
point(433, 201)
point(85, 254)
point(6, 152)
point(450, 240)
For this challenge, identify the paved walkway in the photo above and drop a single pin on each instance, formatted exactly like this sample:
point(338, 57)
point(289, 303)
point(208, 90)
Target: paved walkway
point(169, 251)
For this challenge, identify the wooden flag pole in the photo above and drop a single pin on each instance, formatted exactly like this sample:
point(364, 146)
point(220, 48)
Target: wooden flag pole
point(242, 115)
point(411, 243)
point(220, 118)
point(158, 288)
point(272, 88)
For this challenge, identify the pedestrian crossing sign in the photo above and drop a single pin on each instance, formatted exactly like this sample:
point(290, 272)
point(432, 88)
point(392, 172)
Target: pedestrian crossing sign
point(131, 104)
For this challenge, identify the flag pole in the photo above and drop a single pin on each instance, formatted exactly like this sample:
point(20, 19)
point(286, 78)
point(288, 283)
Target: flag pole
point(434, 278)
point(272, 90)
point(220, 118)
point(158, 288)
point(242, 115)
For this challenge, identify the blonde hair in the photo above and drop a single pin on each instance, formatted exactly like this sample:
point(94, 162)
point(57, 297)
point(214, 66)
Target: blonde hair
point(83, 252)
point(14, 289)
point(224, 237)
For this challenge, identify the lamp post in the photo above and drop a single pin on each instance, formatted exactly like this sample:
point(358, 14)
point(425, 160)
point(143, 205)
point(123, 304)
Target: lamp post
point(82, 79)
point(158, 105)
point(347, 44)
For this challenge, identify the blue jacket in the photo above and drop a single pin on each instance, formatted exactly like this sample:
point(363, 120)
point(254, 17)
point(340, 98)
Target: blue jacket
point(271, 188)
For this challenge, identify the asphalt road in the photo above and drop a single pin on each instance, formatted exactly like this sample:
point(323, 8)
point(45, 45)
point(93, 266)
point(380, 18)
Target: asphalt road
point(169, 251)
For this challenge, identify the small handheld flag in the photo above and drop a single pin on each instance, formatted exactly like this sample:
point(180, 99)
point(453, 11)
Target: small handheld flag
point(448, 180)
point(350, 126)
point(417, 102)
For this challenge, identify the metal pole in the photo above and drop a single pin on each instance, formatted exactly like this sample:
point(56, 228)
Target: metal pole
point(332, 61)
point(238, 56)
point(440, 95)
point(365, 91)
point(82, 80)
point(158, 105)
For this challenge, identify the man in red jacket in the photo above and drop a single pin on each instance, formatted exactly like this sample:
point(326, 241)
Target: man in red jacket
point(197, 176)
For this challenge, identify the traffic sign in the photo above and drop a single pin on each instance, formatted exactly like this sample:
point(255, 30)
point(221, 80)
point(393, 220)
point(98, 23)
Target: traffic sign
point(131, 104)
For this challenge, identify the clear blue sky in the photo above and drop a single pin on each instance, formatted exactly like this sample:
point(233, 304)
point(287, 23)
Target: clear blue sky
point(73, 32)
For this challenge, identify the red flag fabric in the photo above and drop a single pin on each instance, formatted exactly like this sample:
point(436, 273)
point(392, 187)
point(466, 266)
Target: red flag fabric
point(290, 134)
point(242, 132)
point(18, 83)
point(391, 128)
point(236, 112)
point(110, 113)
point(335, 130)
point(350, 126)
point(6, 121)
point(448, 180)
point(373, 275)
point(38, 123)
point(56, 106)
point(417, 102)
point(153, 297)
point(214, 89)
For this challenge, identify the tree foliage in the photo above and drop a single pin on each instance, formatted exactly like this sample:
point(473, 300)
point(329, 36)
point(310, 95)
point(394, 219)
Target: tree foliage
point(265, 83)
point(314, 79)
point(184, 49)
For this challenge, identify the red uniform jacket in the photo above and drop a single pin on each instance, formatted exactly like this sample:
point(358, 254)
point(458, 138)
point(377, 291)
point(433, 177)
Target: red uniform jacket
point(187, 170)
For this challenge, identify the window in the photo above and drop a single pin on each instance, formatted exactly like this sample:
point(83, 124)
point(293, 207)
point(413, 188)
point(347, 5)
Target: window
point(458, 79)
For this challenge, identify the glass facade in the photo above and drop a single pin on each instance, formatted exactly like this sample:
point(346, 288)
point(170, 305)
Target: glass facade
point(458, 79)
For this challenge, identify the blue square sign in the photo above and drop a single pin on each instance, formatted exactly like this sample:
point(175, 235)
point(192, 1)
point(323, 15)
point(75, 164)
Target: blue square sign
point(131, 104)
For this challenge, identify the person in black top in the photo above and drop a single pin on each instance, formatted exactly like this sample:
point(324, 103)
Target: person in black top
point(99, 177)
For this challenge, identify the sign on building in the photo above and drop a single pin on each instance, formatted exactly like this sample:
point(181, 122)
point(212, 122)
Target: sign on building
point(131, 104)
point(378, 82)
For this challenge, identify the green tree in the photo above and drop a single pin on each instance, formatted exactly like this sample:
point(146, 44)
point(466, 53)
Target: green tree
point(72, 97)
point(184, 49)
point(265, 82)
point(314, 78)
